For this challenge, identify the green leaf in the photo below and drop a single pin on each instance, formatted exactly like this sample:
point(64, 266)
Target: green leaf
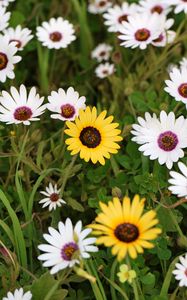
point(16, 18)
point(75, 204)
point(148, 279)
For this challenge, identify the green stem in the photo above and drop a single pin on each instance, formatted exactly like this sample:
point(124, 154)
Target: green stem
point(66, 175)
point(43, 60)
point(134, 283)
point(176, 224)
point(112, 277)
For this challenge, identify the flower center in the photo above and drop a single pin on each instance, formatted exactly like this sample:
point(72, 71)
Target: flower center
point(102, 53)
point(142, 34)
point(157, 8)
point(90, 137)
point(122, 18)
point(55, 36)
point(54, 197)
point(102, 3)
point(18, 43)
point(185, 272)
point(159, 39)
point(126, 232)
point(3, 61)
point(182, 89)
point(167, 141)
point(67, 111)
point(68, 250)
point(22, 113)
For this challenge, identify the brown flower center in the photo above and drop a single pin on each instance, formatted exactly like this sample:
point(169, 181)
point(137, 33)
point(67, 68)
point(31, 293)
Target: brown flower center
point(67, 111)
point(22, 113)
point(159, 39)
point(157, 8)
point(122, 18)
point(102, 53)
point(18, 43)
point(102, 3)
point(54, 197)
point(3, 61)
point(142, 34)
point(126, 232)
point(182, 89)
point(90, 137)
point(55, 36)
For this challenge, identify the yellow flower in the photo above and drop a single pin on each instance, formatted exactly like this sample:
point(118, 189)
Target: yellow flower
point(125, 274)
point(94, 136)
point(122, 226)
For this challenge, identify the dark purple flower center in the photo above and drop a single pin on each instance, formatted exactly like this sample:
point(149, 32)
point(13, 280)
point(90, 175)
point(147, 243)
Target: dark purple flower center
point(126, 232)
point(90, 137)
point(54, 197)
point(167, 141)
point(182, 89)
point(157, 8)
point(55, 36)
point(67, 111)
point(3, 60)
point(22, 113)
point(69, 250)
point(123, 18)
point(142, 34)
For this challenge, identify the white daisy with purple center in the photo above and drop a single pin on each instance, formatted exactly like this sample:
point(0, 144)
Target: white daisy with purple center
point(52, 197)
point(180, 272)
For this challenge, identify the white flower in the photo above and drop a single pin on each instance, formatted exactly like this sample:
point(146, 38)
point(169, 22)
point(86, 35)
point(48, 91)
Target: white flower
point(53, 197)
point(152, 6)
point(114, 16)
point(98, 6)
point(55, 34)
point(7, 58)
point(101, 52)
point(170, 67)
point(104, 70)
point(17, 107)
point(140, 30)
point(65, 105)
point(5, 2)
point(179, 181)
point(19, 35)
point(67, 246)
point(4, 18)
point(183, 63)
point(161, 139)
point(181, 271)
point(177, 85)
point(166, 36)
point(180, 5)
point(18, 295)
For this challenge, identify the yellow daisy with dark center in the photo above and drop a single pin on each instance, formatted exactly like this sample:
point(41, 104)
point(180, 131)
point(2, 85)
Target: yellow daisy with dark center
point(124, 227)
point(94, 136)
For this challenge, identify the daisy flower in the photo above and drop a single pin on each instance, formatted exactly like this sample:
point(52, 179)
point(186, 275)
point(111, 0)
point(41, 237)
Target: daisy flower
point(67, 246)
point(65, 105)
point(123, 227)
point(178, 181)
point(7, 58)
point(181, 271)
point(4, 18)
point(52, 197)
point(163, 138)
point(140, 30)
point(94, 136)
point(101, 52)
point(17, 107)
point(18, 295)
point(98, 6)
point(19, 35)
point(180, 5)
point(104, 70)
point(114, 16)
point(152, 6)
point(167, 36)
point(177, 85)
point(5, 2)
point(55, 34)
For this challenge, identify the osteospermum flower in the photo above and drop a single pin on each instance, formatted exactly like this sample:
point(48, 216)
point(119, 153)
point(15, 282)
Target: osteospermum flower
point(21, 36)
point(94, 136)
point(152, 6)
point(53, 199)
point(166, 36)
point(180, 5)
point(18, 107)
point(55, 34)
point(7, 58)
point(67, 246)
point(178, 181)
point(18, 295)
point(4, 18)
point(114, 16)
point(104, 70)
point(5, 2)
point(101, 52)
point(181, 271)
point(163, 138)
point(65, 105)
point(140, 30)
point(123, 227)
point(98, 6)
point(177, 85)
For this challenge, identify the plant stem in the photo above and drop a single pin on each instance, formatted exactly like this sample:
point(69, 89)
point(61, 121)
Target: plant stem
point(134, 283)
point(66, 175)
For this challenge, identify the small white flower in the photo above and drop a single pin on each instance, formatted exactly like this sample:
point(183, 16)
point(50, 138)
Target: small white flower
point(183, 63)
point(17, 107)
point(55, 34)
point(104, 70)
point(98, 6)
point(67, 246)
point(21, 36)
point(4, 18)
point(7, 58)
point(101, 52)
point(166, 36)
point(177, 85)
point(114, 16)
point(152, 6)
point(140, 30)
point(180, 5)
point(52, 197)
point(163, 138)
point(179, 181)
point(5, 2)
point(181, 271)
point(18, 295)
point(65, 105)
